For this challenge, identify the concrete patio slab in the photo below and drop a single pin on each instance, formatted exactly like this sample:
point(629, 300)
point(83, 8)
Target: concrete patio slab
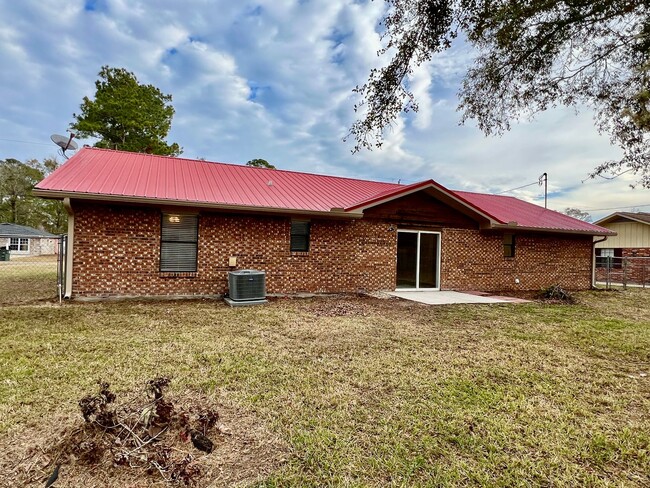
point(451, 297)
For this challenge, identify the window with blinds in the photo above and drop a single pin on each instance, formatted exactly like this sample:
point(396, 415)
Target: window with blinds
point(299, 236)
point(179, 239)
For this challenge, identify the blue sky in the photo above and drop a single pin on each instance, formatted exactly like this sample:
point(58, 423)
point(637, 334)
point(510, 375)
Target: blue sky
point(273, 79)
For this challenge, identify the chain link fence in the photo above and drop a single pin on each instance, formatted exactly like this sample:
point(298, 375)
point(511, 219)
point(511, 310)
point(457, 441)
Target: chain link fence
point(623, 271)
point(27, 277)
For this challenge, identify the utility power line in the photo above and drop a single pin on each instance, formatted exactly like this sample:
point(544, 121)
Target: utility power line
point(518, 188)
point(542, 180)
point(26, 142)
point(615, 208)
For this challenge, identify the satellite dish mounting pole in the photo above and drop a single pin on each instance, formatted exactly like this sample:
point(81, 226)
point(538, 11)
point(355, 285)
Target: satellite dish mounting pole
point(69, 141)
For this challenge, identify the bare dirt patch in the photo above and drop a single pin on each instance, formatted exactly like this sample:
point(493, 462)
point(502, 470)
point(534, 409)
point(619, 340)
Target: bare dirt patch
point(341, 307)
point(186, 439)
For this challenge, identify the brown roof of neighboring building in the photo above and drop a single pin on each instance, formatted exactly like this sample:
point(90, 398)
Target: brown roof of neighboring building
point(642, 217)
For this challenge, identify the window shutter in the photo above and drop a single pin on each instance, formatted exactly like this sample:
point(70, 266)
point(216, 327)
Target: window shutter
point(179, 243)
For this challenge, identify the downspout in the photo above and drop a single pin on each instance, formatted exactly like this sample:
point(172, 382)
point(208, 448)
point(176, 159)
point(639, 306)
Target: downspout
point(593, 260)
point(69, 249)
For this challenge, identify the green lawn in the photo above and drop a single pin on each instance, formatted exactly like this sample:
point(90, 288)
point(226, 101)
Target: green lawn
point(362, 391)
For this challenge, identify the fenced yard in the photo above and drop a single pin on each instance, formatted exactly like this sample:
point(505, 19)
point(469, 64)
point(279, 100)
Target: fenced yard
point(28, 279)
point(626, 271)
point(345, 391)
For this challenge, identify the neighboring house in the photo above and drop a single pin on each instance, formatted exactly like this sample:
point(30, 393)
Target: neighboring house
point(141, 224)
point(629, 250)
point(27, 241)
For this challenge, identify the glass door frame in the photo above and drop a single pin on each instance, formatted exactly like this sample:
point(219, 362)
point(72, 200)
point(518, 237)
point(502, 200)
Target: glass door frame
point(417, 264)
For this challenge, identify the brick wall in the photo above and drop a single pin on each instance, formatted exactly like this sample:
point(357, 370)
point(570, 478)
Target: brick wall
point(637, 265)
point(117, 252)
point(473, 260)
point(636, 252)
point(117, 249)
point(35, 246)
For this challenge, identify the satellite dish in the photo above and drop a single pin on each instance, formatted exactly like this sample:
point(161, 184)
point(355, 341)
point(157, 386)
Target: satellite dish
point(65, 143)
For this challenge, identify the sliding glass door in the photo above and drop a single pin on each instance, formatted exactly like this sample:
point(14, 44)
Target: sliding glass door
point(418, 260)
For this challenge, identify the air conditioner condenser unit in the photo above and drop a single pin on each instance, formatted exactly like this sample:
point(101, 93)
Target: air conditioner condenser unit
point(246, 287)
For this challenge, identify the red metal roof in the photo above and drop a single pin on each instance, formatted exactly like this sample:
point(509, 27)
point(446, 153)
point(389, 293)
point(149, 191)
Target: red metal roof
point(510, 209)
point(102, 173)
point(95, 171)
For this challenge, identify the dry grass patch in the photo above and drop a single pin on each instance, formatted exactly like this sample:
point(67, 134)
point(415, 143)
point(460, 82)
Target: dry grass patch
point(369, 392)
point(28, 280)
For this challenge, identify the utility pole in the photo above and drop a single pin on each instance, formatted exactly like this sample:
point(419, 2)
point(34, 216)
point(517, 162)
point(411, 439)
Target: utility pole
point(544, 180)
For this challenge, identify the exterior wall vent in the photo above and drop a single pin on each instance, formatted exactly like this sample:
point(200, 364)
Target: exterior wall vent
point(247, 285)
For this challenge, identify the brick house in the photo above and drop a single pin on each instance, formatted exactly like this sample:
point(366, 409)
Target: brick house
point(628, 251)
point(157, 226)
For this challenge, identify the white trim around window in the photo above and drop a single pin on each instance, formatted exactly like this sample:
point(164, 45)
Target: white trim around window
point(19, 245)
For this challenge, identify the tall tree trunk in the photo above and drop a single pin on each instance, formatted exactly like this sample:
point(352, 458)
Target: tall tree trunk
point(13, 204)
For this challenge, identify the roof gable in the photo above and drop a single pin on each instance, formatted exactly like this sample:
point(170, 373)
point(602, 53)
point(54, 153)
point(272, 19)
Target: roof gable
point(641, 217)
point(426, 207)
point(102, 174)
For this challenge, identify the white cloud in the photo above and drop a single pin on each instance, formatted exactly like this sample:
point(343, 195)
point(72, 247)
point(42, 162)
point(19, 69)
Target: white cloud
point(420, 86)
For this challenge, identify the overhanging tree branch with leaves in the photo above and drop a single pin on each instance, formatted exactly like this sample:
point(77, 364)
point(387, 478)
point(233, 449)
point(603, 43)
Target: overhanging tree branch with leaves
point(531, 55)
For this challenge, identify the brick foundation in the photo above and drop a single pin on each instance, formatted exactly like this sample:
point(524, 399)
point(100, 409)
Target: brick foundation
point(117, 253)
